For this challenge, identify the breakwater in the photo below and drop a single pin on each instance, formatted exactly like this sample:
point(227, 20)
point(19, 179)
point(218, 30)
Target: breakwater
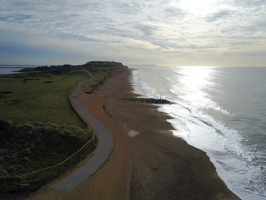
point(148, 100)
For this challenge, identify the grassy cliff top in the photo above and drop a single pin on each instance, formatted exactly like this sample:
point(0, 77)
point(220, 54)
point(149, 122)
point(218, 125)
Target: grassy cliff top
point(41, 93)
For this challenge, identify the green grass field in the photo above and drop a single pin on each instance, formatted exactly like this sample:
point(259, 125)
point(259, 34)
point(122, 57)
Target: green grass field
point(43, 99)
point(40, 98)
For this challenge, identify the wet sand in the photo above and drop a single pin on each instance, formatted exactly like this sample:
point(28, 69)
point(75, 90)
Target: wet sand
point(148, 162)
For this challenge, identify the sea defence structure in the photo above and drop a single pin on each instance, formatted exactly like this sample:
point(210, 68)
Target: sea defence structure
point(148, 100)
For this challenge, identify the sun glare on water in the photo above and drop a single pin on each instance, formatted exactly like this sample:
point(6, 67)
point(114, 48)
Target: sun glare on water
point(195, 80)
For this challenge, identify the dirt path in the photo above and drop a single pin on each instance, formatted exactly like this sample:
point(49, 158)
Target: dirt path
point(103, 150)
point(112, 180)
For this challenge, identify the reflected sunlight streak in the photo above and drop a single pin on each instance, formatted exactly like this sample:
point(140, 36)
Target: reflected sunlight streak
point(194, 81)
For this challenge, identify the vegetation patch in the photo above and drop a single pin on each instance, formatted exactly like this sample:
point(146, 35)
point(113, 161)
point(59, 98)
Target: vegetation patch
point(36, 100)
point(93, 66)
point(30, 79)
point(41, 94)
point(30, 146)
point(47, 81)
point(14, 101)
point(3, 94)
point(27, 147)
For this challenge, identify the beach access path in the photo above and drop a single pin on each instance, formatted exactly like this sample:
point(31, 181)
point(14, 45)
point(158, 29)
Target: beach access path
point(103, 150)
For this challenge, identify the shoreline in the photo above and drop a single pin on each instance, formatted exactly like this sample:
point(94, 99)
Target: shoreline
point(149, 164)
point(164, 166)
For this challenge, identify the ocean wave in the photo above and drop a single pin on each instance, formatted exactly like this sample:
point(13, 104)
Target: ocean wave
point(238, 162)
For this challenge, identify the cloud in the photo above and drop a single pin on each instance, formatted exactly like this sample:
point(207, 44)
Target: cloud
point(250, 3)
point(219, 15)
point(123, 29)
point(130, 8)
point(146, 30)
point(174, 12)
point(15, 18)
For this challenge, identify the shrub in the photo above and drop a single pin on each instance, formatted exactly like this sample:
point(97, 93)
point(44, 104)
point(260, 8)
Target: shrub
point(38, 143)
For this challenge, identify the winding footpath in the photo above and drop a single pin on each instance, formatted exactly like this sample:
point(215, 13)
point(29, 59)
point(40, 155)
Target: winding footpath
point(103, 150)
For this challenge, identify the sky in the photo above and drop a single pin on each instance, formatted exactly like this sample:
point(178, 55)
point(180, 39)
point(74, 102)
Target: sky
point(173, 33)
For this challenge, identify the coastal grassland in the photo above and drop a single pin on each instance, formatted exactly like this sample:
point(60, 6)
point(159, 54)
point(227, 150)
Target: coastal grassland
point(25, 142)
point(95, 81)
point(42, 98)
point(39, 126)
point(33, 153)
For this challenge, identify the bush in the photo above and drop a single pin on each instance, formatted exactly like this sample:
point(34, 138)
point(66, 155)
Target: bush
point(37, 143)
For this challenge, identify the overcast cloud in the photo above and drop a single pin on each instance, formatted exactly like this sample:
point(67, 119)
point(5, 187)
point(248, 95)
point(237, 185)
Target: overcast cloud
point(180, 32)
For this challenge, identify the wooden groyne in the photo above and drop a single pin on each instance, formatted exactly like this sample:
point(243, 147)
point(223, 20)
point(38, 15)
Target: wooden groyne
point(148, 100)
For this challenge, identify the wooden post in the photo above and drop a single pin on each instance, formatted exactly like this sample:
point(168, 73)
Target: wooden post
point(5, 184)
point(18, 182)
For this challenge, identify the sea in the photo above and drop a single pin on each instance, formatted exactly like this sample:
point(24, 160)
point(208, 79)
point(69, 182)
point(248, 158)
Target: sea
point(220, 110)
point(11, 69)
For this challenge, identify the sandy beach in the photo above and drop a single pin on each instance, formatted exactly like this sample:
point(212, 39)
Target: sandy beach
point(162, 166)
point(148, 162)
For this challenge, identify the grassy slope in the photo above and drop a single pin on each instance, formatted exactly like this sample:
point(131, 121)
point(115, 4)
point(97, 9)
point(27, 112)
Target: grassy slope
point(33, 100)
point(87, 84)
point(30, 146)
point(45, 99)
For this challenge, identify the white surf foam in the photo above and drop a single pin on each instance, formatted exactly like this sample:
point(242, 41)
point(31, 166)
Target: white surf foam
point(232, 159)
